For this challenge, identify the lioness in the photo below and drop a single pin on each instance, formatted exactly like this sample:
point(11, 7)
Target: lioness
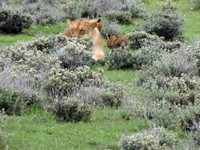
point(68, 31)
point(99, 23)
point(115, 41)
point(83, 28)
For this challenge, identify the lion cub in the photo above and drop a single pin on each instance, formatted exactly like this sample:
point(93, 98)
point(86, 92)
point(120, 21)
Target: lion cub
point(83, 28)
point(115, 41)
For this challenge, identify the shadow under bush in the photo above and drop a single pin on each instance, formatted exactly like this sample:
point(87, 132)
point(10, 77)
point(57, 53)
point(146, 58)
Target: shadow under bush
point(13, 22)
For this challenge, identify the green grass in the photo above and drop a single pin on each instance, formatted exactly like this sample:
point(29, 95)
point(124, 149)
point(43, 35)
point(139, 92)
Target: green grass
point(34, 31)
point(41, 131)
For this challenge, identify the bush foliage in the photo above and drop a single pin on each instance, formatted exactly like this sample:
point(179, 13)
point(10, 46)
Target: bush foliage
point(13, 22)
point(156, 138)
point(46, 66)
point(50, 12)
point(196, 3)
point(71, 109)
point(165, 24)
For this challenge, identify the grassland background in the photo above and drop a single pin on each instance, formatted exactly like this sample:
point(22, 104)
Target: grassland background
point(39, 130)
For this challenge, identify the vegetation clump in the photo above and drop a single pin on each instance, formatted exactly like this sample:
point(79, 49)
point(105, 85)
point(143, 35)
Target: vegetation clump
point(156, 138)
point(13, 22)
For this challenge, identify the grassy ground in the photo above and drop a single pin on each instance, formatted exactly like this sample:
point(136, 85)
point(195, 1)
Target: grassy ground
point(34, 31)
point(40, 130)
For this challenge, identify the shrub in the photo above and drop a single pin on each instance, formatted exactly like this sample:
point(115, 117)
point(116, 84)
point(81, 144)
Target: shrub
point(102, 6)
point(62, 82)
point(110, 28)
point(165, 24)
point(73, 56)
point(172, 78)
point(4, 3)
point(195, 136)
point(15, 103)
point(13, 22)
point(91, 8)
point(141, 39)
point(10, 103)
point(48, 52)
point(37, 67)
point(103, 96)
point(44, 12)
point(182, 90)
point(145, 56)
point(71, 109)
point(194, 50)
point(120, 59)
point(196, 3)
point(156, 138)
point(171, 65)
point(176, 63)
point(136, 8)
point(121, 17)
point(189, 117)
point(18, 93)
point(1, 131)
point(166, 114)
point(168, 5)
point(75, 9)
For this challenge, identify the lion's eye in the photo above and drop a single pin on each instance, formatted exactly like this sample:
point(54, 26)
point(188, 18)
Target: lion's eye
point(82, 31)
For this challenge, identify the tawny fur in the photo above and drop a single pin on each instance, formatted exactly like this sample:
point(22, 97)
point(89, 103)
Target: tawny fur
point(83, 28)
point(115, 41)
point(99, 23)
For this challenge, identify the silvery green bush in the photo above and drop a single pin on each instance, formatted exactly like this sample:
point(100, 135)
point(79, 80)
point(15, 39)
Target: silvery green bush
point(194, 50)
point(196, 3)
point(145, 56)
point(42, 12)
point(110, 28)
point(104, 96)
point(120, 59)
point(49, 12)
point(171, 65)
point(176, 63)
point(35, 68)
point(16, 103)
point(62, 82)
point(168, 5)
point(176, 90)
point(71, 109)
point(13, 22)
point(194, 135)
point(136, 8)
point(156, 139)
point(120, 17)
point(166, 114)
point(143, 39)
point(173, 77)
point(164, 24)
point(149, 47)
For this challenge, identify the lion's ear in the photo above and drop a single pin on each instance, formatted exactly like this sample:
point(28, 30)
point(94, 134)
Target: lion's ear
point(93, 24)
point(99, 20)
point(69, 22)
